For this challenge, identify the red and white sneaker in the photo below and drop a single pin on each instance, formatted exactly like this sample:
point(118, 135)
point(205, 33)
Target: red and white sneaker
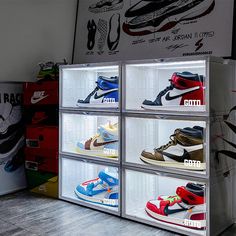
point(186, 89)
point(172, 210)
point(187, 208)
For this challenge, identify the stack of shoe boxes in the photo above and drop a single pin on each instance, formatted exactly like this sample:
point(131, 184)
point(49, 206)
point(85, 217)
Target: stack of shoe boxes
point(41, 152)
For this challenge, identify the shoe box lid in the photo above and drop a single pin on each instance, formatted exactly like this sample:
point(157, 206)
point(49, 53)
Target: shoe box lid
point(42, 137)
point(41, 93)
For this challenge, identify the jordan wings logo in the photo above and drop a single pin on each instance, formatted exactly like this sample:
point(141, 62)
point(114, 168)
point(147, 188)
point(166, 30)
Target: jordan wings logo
point(38, 96)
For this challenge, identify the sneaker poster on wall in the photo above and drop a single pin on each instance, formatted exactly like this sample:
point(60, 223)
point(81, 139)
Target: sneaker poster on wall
point(111, 30)
point(12, 141)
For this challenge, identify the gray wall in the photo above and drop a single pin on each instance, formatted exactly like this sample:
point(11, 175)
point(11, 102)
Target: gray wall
point(32, 31)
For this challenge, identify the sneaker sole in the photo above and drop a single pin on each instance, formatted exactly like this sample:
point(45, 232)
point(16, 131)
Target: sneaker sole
point(168, 23)
point(201, 108)
point(174, 221)
point(99, 105)
point(173, 165)
point(101, 153)
point(98, 200)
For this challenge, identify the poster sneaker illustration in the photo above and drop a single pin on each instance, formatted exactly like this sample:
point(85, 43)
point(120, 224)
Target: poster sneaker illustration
point(106, 5)
point(102, 190)
point(184, 151)
point(92, 29)
point(104, 143)
point(158, 16)
point(104, 95)
point(183, 87)
point(10, 119)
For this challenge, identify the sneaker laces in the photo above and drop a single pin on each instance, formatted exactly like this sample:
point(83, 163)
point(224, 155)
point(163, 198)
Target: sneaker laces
point(93, 92)
point(163, 92)
point(173, 141)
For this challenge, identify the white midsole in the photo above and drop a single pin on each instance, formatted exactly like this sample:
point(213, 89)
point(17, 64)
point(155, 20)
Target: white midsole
point(201, 108)
point(99, 198)
point(103, 105)
point(180, 165)
point(173, 220)
point(102, 153)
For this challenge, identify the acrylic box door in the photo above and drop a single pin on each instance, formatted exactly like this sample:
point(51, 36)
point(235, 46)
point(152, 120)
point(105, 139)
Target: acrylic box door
point(77, 178)
point(90, 135)
point(146, 81)
point(165, 202)
point(78, 82)
point(179, 144)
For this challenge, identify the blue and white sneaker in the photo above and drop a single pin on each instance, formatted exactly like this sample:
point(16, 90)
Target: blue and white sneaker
point(102, 190)
point(103, 144)
point(104, 95)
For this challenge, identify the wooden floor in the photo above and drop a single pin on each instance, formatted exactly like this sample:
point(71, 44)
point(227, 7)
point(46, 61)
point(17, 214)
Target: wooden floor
point(26, 214)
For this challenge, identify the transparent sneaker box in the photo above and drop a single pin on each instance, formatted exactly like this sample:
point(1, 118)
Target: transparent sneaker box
point(75, 172)
point(77, 83)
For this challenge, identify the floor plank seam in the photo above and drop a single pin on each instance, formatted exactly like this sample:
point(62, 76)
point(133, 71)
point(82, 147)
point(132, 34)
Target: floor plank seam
point(20, 227)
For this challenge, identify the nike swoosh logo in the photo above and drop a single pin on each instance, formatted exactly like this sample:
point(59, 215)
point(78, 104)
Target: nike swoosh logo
point(169, 212)
point(96, 144)
point(36, 100)
point(99, 95)
point(168, 97)
point(185, 156)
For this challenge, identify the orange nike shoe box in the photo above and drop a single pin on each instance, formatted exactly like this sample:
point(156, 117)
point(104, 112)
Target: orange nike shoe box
point(41, 93)
point(42, 137)
point(44, 160)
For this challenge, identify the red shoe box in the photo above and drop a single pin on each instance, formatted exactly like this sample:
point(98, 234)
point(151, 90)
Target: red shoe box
point(45, 160)
point(42, 93)
point(42, 137)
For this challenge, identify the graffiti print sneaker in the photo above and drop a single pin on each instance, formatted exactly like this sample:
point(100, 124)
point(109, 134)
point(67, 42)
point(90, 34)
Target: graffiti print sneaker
point(184, 151)
point(104, 95)
point(106, 5)
point(104, 143)
point(186, 89)
point(158, 16)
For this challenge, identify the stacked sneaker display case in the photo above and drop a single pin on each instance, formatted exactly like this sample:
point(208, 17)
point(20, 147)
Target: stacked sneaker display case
point(148, 140)
point(41, 153)
point(90, 136)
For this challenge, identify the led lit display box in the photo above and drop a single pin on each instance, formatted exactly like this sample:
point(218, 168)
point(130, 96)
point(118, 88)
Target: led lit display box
point(148, 140)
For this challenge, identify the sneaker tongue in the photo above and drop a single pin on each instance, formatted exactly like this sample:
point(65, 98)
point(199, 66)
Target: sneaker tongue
point(110, 180)
point(186, 140)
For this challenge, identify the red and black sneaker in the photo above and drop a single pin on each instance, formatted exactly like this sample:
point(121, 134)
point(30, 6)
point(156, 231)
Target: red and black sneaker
point(184, 87)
